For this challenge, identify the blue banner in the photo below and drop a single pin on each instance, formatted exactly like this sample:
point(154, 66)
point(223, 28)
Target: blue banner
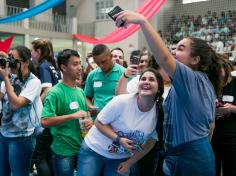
point(31, 12)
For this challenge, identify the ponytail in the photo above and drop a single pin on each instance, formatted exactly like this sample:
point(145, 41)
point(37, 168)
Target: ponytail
point(210, 62)
point(50, 57)
point(160, 121)
point(46, 48)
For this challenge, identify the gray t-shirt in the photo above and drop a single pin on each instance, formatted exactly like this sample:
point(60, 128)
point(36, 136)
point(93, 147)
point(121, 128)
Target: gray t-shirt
point(189, 107)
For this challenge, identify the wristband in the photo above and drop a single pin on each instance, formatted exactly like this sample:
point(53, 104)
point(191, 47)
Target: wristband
point(127, 77)
point(117, 140)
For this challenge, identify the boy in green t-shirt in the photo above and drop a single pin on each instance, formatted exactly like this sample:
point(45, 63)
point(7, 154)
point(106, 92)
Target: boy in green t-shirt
point(63, 106)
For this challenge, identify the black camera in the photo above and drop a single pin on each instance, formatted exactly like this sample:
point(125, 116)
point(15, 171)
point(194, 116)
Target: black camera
point(10, 59)
point(3, 61)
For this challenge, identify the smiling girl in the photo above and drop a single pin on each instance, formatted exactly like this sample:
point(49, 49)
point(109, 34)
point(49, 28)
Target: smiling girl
point(124, 131)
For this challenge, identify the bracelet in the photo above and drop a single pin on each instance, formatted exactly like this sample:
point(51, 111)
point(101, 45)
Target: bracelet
point(117, 140)
point(127, 77)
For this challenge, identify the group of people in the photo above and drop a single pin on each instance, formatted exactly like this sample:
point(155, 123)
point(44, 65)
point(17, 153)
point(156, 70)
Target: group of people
point(154, 118)
point(209, 23)
point(217, 29)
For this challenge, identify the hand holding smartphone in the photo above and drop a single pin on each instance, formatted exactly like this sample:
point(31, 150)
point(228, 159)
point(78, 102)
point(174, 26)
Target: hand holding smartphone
point(115, 10)
point(94, 110)
point(219, 104)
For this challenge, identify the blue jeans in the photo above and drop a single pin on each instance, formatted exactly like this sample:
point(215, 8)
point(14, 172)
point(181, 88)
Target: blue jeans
point(90, 163)
point(15, 155)
point(63, 165)
point(42, 154)
point(194, 158)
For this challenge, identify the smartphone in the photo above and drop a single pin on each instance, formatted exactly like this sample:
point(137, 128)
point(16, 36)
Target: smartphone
point(115, 10)
point(135, 59)
point(94, 111)
point(219, 104)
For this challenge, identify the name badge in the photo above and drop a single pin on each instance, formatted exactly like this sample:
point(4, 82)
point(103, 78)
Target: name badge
point(97, 84)
point(233, 73)
point(74, 105)
point(228, 98)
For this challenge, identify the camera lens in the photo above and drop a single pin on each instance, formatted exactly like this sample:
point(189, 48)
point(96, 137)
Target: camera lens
point(3, 62)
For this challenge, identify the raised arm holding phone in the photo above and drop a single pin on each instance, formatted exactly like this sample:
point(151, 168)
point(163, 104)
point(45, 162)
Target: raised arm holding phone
point(190, 106)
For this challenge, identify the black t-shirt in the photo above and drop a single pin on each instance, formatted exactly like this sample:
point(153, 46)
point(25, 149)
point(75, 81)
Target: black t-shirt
point(225, 128)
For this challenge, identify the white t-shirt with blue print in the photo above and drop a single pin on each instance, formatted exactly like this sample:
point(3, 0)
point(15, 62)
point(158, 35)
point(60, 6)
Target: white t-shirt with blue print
point(123, 115)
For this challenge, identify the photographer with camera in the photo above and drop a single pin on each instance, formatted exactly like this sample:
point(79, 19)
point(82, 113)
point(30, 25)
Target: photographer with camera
point(21, 112)
point(3, 56)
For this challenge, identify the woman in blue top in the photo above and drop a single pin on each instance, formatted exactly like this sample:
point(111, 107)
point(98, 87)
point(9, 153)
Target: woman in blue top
point(49, 75)
point(190, 105)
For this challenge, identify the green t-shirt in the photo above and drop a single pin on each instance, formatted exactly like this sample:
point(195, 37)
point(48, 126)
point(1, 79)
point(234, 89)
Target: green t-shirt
point(64, 100)
point(102, 87)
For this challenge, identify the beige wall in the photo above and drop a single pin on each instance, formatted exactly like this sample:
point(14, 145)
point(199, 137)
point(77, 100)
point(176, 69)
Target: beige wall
point(2, 7)
point(87, 14)
point(105, 27)
point(86, 11)
point(158, 21)
point(71, 7)
point(43, 16)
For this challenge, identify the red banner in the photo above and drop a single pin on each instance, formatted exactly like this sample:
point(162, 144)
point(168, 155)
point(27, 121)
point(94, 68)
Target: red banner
point(148, 9)
point(5, 45)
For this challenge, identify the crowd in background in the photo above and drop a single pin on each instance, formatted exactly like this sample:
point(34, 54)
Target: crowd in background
point(217, 29)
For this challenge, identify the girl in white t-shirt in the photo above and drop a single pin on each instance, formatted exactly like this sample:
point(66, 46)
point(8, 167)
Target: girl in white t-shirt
point(124, 131)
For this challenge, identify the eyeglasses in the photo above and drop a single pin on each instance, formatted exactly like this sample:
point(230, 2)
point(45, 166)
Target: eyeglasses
point(13, 59)
point(117, 56)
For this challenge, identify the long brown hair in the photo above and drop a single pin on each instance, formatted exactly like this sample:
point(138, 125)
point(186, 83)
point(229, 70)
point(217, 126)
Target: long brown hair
point(46, 48)
point(210, 61)
point(159, 101)
point(159, 146)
